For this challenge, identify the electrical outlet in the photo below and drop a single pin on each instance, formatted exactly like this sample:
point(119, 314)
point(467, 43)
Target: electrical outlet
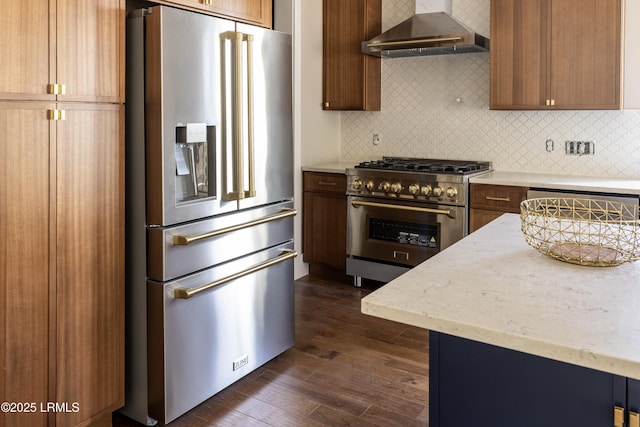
point(376, 139)
point(579, 148)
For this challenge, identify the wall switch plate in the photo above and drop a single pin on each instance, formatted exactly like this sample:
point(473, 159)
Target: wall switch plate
point(579, 148)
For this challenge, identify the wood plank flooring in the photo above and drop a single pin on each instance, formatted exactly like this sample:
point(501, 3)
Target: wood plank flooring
point(346, 369)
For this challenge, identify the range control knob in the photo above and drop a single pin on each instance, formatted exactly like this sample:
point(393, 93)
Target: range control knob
point(413, 189)
point(451, 193)
point(425, 190)
point(356, 184)
point(438, 191)
point(384, 186)
point(368, 185)
point(396, 187)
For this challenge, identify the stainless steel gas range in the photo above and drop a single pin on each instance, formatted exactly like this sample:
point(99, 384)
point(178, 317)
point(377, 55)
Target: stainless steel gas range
point(402, 211)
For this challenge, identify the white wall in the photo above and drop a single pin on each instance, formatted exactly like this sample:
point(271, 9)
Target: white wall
point(632, 55)
point(320, 129)
point(420, 116)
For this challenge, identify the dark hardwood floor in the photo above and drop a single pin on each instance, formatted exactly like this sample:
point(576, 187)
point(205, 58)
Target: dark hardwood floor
point(346, 369)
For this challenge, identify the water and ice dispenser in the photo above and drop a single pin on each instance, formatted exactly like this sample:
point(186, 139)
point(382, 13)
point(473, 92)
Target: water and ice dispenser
point(195, 162)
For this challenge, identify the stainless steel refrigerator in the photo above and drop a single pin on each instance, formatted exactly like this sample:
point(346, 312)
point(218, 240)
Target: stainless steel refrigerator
point(209, 207)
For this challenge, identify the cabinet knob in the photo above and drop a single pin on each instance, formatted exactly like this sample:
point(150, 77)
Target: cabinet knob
point(326, 105)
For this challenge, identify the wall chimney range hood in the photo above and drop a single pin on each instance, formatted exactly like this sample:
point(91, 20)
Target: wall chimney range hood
point(431, 31)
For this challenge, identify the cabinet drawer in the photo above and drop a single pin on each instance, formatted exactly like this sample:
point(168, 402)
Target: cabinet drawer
point(497, 197)
point(325, 182)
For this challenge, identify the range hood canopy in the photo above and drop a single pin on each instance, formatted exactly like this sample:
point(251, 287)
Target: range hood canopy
point(431, 31)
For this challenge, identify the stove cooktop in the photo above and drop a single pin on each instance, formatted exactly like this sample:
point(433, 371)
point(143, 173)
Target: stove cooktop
point(455, 167)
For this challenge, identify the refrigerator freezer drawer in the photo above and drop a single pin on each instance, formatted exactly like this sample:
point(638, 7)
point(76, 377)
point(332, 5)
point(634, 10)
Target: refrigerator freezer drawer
point(181, 250)
point(200, 345)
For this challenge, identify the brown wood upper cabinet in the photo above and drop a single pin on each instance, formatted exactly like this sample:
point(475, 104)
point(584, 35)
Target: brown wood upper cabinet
point(351, 79)
point(51, 50)
point(556, 54)
point(258, 12)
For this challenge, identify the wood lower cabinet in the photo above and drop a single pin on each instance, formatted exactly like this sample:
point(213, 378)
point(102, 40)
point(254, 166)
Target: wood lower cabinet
point(351, 79)
point(25, 259)
point(556, 54)
point(62, 261)
point(325, 222)
point(89, 212)
point(488, 202)
point(495, 386)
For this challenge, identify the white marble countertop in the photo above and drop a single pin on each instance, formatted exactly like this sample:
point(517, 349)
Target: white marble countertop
point(562, 182)
point(332, 167)
point(493, 288)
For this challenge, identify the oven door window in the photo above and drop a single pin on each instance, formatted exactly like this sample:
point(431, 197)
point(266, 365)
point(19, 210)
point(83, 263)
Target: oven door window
point(424, 235)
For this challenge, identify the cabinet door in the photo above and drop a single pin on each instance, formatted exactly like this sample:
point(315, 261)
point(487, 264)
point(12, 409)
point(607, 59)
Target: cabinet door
point(90, 50)
point(253, 11)
point(351, 79)
point(24, 259)
point(494, 386)
point(586, 54)
point(90, 271)
point(519, 64)
point(633, 402)
point(325, 225)
point(258, 12)
point(26, 67)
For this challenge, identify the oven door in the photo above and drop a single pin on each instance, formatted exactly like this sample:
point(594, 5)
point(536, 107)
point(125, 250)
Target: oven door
point(402, 233)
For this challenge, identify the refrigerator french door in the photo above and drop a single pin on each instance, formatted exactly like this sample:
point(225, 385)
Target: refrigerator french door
point(209, 206)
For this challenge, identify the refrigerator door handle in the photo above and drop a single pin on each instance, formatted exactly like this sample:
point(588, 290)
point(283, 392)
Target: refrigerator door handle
point(182, 293)
point(250, 123)
point(237, 40)
point(187, 240)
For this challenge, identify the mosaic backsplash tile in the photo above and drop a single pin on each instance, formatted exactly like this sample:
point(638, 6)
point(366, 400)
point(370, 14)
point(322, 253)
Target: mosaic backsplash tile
point(438, 107)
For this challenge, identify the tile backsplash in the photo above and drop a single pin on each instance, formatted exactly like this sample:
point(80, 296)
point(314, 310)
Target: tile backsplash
point(438, 107)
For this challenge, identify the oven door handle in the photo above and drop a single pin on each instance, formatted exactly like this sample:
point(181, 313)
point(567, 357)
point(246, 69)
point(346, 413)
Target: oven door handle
point(448, 212)
point(183, 293)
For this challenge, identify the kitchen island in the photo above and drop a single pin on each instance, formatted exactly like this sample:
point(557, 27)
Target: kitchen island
point(518, 338)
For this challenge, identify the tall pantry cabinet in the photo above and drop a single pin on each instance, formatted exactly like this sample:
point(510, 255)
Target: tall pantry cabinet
point(62, 211)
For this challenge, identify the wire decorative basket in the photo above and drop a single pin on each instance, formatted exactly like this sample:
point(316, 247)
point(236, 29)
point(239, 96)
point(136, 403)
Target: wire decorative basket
point(582, 231)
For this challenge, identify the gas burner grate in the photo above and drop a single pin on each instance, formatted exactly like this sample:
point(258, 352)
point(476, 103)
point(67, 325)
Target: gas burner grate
point(449, 167)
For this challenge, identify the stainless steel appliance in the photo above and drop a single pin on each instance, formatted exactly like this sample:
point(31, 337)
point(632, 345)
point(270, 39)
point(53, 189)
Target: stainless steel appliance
point(402, 211)
point(209, 207)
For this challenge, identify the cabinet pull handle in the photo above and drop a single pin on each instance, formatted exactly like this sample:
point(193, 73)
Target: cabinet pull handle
point(634, 419)
point(187, 240)
point(55, 115)
point(56, 89)
point(618, 416)
point(182, 293)
point(498, 199)
point(333, 184)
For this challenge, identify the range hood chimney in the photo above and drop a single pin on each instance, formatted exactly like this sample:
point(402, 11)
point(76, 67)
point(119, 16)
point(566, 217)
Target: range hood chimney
point(431, 31)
